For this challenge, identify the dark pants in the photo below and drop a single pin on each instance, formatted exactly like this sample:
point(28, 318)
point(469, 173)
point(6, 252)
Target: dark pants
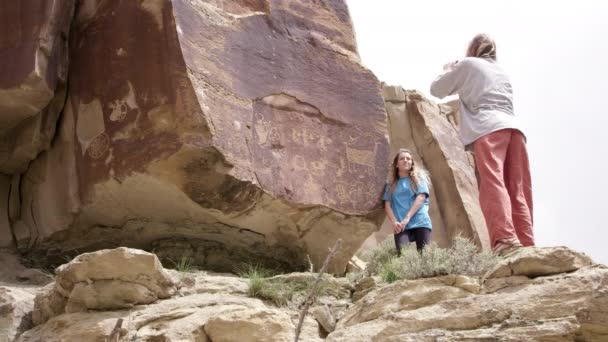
point(422, 236)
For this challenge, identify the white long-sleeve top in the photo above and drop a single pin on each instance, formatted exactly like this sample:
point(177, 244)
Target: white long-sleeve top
point(486, 97)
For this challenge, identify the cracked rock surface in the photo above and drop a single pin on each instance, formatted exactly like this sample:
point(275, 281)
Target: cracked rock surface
point(536, 294)
point(568, 305)
point(228, 130)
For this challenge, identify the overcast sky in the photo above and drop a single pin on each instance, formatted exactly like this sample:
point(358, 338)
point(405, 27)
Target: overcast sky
point(556, 53)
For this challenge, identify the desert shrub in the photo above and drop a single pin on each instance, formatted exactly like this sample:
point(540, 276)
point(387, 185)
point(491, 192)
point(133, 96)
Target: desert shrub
point(462, 257)
point(184, 264)
point(379, 255)
point(278, 290)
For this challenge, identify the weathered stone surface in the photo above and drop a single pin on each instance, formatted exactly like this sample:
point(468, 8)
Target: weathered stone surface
point(404, 295)
point(451, 110)
point(513, 330)
point(48, 192)
point(325, 318)
point(563, 307)
point(203, 282)
point(495, 284)
point(6, 238)
point(48, 304)
point(400, 133)
point(15, 311)
point(35, 276)
point(94, 327)
point(452, 173)
point(185, 318)
point(11, 266)
point(236, 130)
point(33, 75)
point(21, 144)
point(104, 280)
point(251, 326)
point(355, 265)
point(176, 319)
point(108, 295)
point(363, 287)
point(430, 131)
point(534, 262)
point(16, 296)
point(135, 267)
point(10, 206)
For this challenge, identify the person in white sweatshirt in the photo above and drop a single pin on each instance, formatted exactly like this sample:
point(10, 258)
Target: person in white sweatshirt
point(489, 127)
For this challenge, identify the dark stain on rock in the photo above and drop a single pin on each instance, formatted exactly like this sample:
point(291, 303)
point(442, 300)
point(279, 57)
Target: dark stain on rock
point(233, 247)
point(209, 185)
point(136, 72)
point(21, 23)
point(219, 257)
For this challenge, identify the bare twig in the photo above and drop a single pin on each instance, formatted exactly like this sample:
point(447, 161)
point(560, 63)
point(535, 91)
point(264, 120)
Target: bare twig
point(115, 335)
point(313, 290)
point(311, 266)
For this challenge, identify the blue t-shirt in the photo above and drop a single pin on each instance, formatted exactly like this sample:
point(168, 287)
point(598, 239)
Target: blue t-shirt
point(403, 199)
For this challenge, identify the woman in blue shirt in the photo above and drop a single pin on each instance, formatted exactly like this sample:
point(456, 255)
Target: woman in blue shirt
point(407, 202)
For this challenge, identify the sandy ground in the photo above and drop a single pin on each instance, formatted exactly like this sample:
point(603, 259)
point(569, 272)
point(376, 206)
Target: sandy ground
point(13, 273)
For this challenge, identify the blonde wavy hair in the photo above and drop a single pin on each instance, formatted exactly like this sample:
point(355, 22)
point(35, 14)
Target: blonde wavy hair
point(417, 173)
point(482, 46)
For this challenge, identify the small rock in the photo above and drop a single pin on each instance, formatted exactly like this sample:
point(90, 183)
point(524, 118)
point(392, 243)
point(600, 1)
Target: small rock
point(325, 318)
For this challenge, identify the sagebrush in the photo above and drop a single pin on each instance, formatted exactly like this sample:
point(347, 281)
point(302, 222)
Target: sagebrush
point(462, 258)
point(379, 255)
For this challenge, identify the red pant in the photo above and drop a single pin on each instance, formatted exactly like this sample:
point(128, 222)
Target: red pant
point(505, 188)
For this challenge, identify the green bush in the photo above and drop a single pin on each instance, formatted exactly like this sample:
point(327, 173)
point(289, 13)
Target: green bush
point(461, 258)
point(387, 271)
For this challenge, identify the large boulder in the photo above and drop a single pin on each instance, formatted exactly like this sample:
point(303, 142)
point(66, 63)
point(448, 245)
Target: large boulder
point(48, 303)
point(196, 317)
point(536, 262)
point(104, 280)
point(430, 131)
point(16, 304)
point(228, 130)
point(33, 76)
point(214, 307)
point(404, 296)
point(531, 305)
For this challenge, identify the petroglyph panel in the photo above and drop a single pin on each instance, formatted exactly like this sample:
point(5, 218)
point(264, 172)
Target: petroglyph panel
point(120, 107)
point(311, 159)
point(99, 146)
point(213, 114)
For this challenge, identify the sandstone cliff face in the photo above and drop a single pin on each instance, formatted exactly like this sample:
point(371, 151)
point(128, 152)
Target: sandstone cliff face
point(430, 131)
point(33, 75)
point(224, 130)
